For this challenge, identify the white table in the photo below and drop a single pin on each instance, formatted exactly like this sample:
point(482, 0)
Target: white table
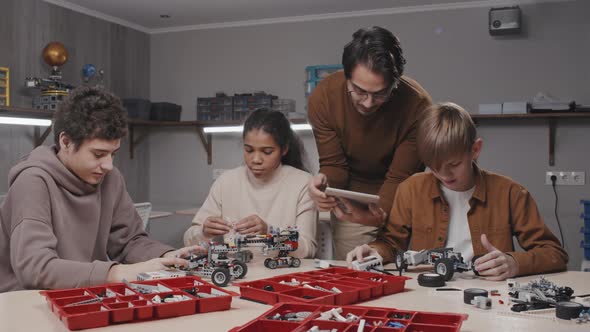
point(159, 214)
point(27, 310)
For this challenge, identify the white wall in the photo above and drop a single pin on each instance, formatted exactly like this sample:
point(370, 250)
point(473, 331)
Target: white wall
point(449, 52)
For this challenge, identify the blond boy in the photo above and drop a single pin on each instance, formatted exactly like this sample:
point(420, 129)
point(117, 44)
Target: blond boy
point(462, 206)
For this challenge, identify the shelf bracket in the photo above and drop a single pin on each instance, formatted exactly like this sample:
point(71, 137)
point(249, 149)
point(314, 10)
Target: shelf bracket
point(552, 125)
point(207, 144)
point(132, 141)
point(39, 138)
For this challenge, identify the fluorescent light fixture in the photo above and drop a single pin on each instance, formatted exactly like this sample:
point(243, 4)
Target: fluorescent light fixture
point(24, 121)
point(225, 129)
point(301, 126)
point(238, 129)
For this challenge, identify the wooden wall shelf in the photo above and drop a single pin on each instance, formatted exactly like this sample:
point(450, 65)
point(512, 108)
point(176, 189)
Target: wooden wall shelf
point(38, 137)
point(550, 117)
point(206, 139)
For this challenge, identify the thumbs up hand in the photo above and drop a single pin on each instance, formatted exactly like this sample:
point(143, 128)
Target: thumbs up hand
point(495, 265)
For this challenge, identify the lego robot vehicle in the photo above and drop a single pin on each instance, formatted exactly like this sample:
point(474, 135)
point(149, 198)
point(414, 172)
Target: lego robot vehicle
point(445, 261)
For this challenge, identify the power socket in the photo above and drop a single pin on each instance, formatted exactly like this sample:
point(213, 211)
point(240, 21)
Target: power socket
point(217, 172)
point(566, 178)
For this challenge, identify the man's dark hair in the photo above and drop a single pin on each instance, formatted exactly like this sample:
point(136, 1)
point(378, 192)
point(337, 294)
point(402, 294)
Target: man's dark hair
point(89, 113)
point(377, 49)
point(276, 125)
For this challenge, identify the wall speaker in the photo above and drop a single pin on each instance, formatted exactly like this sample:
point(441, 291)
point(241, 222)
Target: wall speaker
point(504, 21)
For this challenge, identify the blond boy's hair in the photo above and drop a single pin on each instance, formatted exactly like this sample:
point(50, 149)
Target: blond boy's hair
point(445, 131)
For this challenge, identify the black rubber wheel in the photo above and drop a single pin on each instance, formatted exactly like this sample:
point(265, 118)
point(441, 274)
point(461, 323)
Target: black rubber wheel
point(568, 310)
point(272, 264)
point(431, 280)
point(248, 255)
point(445, 268)
point(400, 264)
point(240, 269)
point(473, 264)
point(296, 262)
point(266, 262)
point(220, 277)
point(470, 293)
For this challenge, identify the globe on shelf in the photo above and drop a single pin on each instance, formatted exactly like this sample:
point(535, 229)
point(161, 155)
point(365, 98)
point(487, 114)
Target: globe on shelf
point(55, 54)
point(88, 71)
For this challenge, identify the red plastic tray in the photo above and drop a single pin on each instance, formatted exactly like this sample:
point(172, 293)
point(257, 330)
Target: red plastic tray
point(123, 304)
point(356, 286)
point(412, 321)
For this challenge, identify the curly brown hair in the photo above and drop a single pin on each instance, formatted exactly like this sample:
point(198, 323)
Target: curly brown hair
point(88, 113)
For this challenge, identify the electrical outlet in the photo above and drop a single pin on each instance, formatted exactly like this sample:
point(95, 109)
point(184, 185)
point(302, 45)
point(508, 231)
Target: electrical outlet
point(217, 172)
point(566, 178)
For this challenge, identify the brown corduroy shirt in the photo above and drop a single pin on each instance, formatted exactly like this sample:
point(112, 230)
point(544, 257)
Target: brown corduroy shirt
point(371, 154)
point(500, 208)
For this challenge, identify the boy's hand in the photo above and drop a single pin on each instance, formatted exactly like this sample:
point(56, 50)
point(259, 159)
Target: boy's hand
point(184, 252)
point(251, 225)
point(170, 259)
point(360, 214)
point(495, 265)
point(130, 271)
point(316, 188)
point(359, 253)
point(215, 226)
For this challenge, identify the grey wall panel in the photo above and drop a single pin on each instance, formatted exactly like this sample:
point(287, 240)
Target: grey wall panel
point(449, 52)
point(122, 52)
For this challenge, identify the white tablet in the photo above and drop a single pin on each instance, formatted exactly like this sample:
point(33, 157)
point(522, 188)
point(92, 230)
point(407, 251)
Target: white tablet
point(352, 195)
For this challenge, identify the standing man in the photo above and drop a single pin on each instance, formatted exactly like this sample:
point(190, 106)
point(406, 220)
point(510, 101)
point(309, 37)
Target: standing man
point(364, 123)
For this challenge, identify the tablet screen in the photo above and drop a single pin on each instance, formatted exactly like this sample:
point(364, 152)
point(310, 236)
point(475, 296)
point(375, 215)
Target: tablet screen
point(352, 195)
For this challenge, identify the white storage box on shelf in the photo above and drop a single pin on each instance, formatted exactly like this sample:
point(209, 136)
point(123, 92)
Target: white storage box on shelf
point(490, 109)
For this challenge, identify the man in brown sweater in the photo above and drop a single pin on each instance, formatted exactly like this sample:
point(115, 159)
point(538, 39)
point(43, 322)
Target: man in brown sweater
point(364, 123)
point(67, 220)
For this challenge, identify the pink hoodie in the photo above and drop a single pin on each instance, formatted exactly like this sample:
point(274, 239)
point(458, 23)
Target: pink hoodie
point(57, 231)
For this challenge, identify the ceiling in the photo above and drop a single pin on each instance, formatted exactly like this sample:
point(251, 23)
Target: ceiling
point(144, 15)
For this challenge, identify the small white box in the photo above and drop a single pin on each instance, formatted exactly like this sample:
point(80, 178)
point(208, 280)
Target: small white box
point(490, 108)
point(519, 107)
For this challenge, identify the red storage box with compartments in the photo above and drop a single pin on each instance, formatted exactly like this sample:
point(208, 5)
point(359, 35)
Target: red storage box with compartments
point(339, 286)
point(299, 317)
point(96, 306)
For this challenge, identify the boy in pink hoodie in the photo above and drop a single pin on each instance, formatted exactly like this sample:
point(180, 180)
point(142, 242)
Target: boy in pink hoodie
point(67, 220)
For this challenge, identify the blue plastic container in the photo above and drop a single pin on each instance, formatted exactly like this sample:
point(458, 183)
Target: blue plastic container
point(319, 72)
point(586, 247)
point(586, 208)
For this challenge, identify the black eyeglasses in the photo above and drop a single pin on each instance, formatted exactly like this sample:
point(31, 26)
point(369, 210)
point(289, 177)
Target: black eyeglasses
point(376, 96)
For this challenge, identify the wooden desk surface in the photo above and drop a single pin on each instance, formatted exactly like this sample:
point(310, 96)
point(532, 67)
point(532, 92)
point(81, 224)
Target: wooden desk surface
point(27, 310)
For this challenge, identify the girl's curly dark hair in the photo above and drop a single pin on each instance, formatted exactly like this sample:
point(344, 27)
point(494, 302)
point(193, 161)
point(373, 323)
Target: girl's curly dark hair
point(276, 125)
point(88, 113)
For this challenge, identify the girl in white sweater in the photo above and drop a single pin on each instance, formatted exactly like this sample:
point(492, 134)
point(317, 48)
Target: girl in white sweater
point(269, 190)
